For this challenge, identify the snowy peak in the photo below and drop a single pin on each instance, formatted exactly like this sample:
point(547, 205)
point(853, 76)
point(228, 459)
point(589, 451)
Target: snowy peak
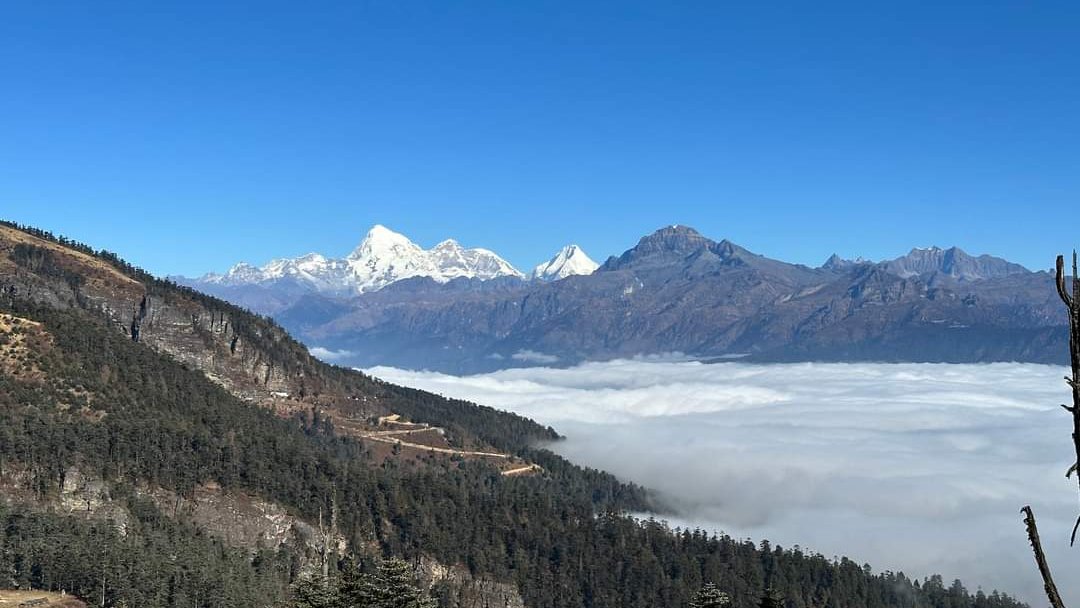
point(313, 269)
point(485, 264)
point(382, 242)
point(383, 257)
point(242, 272)
point(305, 264)
point(571, 260)
point(454, 261)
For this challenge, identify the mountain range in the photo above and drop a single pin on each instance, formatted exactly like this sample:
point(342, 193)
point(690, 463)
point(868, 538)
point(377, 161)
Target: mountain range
point(382, 258)
point(677, 291)
point(163, 448)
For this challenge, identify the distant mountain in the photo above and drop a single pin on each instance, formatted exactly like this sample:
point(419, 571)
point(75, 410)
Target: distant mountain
point(836, 262)
point(953, 263)
point(464, 310)
point(664, 247)
point(382, 258)
point(570, 261)
point(679, 291)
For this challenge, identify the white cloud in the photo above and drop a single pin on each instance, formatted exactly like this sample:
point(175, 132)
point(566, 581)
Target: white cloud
point(531, 356)
point(330, 356)
point(914, 467)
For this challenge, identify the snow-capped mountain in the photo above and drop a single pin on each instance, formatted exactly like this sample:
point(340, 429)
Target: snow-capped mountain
point(382, 258)
point(682, 290)
point(454, 261)
point(678, 290)
point(571, 260)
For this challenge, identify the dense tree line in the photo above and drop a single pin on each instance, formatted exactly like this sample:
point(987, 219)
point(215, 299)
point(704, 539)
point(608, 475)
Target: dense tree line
point(391, 584)
point(116, 409)
point(152, 560)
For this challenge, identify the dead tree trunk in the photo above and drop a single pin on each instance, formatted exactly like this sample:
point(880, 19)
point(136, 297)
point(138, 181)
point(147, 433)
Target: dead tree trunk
point(328, 538)
point(1070, 295)
point(1040, 560)
point(1071, 298)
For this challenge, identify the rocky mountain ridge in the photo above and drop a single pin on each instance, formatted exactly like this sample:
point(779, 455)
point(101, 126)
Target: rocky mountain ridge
point(955, 263)
point(679, 291)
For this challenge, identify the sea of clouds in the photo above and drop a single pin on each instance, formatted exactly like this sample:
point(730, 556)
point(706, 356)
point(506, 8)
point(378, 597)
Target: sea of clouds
point(915, 467)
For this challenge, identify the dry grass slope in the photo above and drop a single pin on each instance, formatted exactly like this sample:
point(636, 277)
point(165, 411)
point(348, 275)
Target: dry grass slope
point(37, 599)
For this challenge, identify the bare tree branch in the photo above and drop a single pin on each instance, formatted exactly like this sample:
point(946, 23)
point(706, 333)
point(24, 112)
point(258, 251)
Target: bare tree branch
point(1062, 292)
point(1073, 303)
point(1040, 559)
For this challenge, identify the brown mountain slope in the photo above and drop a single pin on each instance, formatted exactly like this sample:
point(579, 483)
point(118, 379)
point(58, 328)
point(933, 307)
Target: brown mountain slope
point(249, 355)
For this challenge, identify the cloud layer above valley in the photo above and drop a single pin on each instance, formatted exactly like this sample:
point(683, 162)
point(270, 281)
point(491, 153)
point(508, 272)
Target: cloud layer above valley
point(914, 467)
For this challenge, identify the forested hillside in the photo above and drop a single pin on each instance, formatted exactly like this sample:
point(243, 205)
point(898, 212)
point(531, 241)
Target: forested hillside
point(132, 409)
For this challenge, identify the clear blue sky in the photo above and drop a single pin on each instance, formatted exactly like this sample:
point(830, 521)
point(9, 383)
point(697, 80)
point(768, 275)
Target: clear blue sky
point(189, 135)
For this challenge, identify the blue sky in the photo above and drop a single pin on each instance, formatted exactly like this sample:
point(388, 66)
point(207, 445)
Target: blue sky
point(187, 136)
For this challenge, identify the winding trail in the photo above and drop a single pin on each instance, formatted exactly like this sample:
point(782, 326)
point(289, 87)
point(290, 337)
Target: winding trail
point(394, 437)
point(384, 438)
point(529, 468)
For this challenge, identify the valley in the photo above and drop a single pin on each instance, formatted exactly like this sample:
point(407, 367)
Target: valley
point(164, 431)
point(590, 304)
point(909, 467)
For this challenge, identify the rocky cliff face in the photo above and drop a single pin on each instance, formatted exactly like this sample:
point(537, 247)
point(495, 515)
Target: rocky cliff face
point(253, 358)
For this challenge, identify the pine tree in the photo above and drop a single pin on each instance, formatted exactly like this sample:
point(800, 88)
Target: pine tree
point(315, 592)
point(357, 588)
point(393, 585)
point(710, 597)
point(771, 599)
point(397, 586)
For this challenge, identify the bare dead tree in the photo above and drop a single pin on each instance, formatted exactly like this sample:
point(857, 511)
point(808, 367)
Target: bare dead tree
point(1070, 295)
point(1072, 303)
point(1040, 560)
point(328, 538)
